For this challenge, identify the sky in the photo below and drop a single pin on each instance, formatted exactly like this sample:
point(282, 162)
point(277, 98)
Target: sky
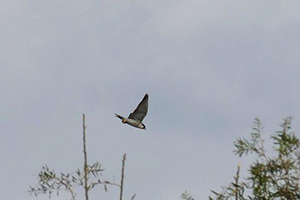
point(209, 67)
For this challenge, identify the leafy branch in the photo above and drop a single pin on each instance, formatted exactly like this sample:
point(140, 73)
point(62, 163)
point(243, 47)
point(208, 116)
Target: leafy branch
point(49, 181)
point(269, 177)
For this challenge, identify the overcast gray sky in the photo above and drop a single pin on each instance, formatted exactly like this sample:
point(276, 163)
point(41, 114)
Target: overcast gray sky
point(210, 67)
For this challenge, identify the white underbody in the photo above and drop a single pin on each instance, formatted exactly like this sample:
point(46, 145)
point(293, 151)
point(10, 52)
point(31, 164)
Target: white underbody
point(134, 123)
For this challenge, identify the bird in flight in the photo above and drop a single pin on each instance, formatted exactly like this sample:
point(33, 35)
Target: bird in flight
point(136, 117)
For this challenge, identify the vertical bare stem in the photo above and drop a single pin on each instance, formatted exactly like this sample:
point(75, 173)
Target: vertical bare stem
point(122, 176)
point(85, 167)
point(237, 182)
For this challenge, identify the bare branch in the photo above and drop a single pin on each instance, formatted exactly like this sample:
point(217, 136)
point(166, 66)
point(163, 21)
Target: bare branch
point(122, 176)
point(85, 167)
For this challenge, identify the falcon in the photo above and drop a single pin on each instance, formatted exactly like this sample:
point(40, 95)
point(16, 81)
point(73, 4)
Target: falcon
point(136, 117)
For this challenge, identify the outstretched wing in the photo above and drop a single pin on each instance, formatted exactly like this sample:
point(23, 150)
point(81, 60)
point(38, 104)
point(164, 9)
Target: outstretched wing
point(141, 111)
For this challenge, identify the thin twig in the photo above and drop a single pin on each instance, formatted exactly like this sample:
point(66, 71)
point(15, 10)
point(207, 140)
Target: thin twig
point(122, 176)
point(237, 182)
point(85, 167)
point(72, 193)
point(108, 183)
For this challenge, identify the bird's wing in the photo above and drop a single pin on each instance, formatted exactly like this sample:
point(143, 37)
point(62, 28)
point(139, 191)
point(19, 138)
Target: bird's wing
point(141, 111)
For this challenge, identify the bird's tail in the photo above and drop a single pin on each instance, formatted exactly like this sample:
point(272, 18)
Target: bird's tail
point(120, 117)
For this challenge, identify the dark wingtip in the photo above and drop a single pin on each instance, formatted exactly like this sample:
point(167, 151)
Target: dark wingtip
point(144, 128)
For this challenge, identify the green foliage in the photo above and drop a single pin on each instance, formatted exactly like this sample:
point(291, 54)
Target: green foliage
point(49, 181)
point(270, 177)
point(186, 196)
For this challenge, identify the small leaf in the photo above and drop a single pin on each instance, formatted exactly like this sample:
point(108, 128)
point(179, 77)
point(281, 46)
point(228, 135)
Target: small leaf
point(132, 197)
